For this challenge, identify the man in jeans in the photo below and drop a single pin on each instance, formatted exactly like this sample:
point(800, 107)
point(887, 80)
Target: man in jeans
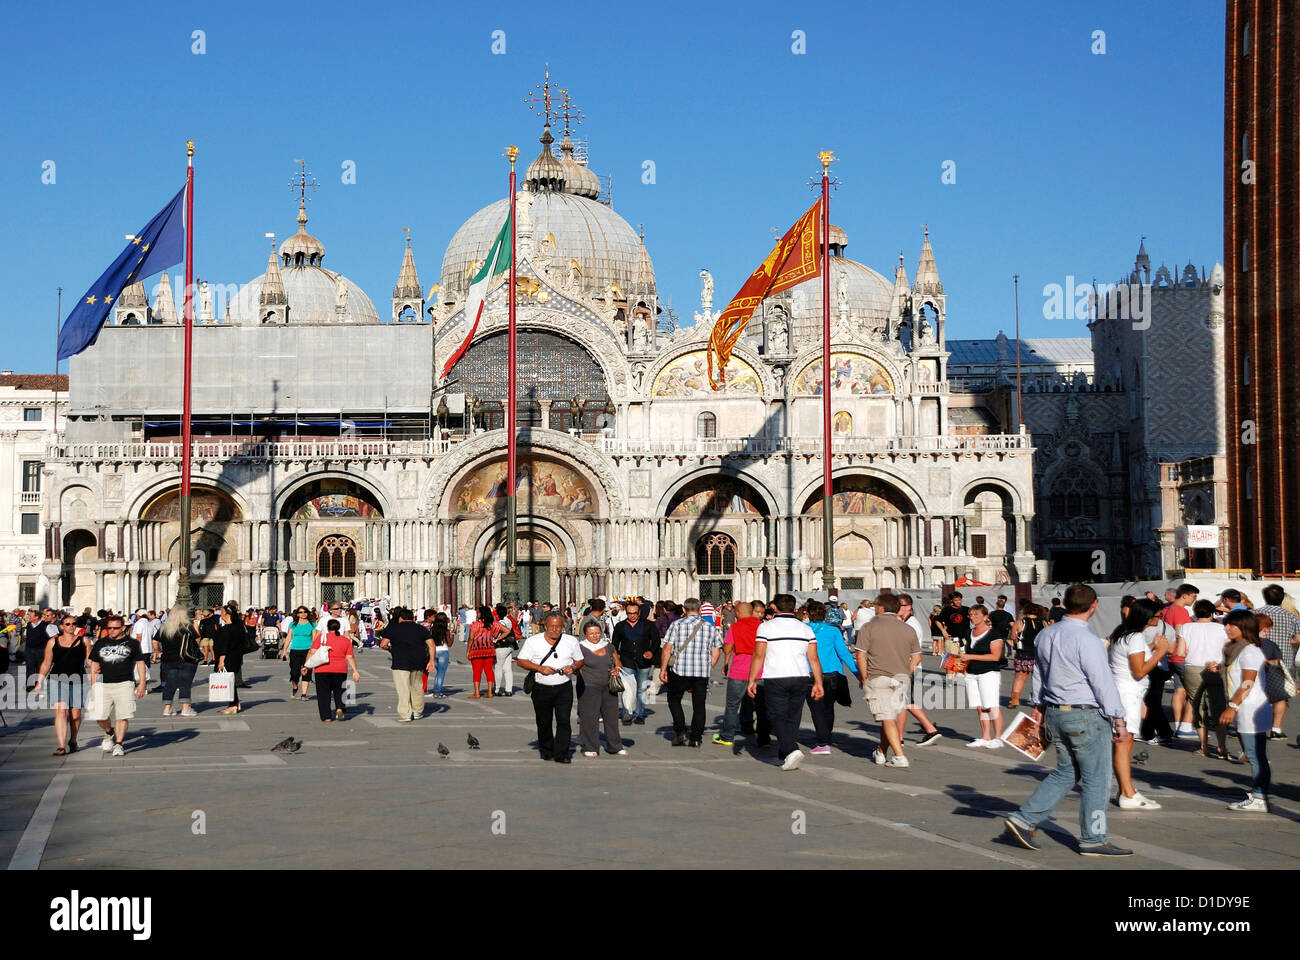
point(1080, 708)
point(785, 653)
point(691, 648)
point(739, 649)
point(637, 643)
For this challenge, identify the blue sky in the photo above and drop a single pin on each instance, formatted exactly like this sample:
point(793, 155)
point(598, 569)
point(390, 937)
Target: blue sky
point(1063, 158)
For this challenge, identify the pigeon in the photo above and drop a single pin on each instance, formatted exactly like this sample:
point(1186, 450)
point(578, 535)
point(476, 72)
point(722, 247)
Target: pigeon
point(443, 751)
point(295, 747)
point(1141, 756)
point(284, 746)
point(472, 741)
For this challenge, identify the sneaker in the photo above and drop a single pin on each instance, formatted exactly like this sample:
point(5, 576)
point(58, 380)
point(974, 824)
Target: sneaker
point(897, 762)
point(118, 751)
point(1104, 850)
point(693, 743)
point(679, 740)
point(106, 744)
point(167, 710)
point(879, 758)
point(793, 760)
point(978, 743)
point(993, 744)
point(1252, 804)
point(821, 751)
point(929, 738)
point(1186, 732)
point(591, 755)
point(1022, 835)
point(1137, 802)
point(188, 712)
point(621, 753)
point(722, 741)
point(640, 721)
point(405, 719)
point(1276, 734)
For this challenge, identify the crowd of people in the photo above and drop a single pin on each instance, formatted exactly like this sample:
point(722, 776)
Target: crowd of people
point(1232, 665)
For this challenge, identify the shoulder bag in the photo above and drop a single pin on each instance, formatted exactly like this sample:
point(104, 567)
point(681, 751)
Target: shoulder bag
point(677, 650)
point(616, 684)
point(530, 680)
point(318, 657)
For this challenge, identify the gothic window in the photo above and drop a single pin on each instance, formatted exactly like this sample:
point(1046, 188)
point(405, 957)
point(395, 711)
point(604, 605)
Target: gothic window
point(706, 425)
point(407, 315)
point(1074, 494)
point(715, 556)
point(130, 320)
point(336, 557)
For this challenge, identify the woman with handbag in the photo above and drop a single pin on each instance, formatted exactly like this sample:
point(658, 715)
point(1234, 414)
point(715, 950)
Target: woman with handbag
point(983, 659)
point(1032, 620)
point(330, 657)
point(228, 645)
point(482, 651)
point(180, 654)
point(600, 674)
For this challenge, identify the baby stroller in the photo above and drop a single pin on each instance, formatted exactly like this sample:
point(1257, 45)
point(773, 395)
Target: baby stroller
point(270, 642)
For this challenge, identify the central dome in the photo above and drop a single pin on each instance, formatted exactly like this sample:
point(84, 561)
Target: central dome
point(603, 243)
point(313, 295)
point(867, 293)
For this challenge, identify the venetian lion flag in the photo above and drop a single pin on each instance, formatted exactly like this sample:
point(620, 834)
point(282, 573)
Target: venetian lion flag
point(794, 259)
point(497, 263)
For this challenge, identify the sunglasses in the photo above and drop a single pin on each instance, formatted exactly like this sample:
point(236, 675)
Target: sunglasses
point(68, 623)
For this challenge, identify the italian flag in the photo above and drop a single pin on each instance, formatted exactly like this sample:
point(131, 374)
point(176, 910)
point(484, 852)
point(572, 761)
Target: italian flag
point(497, 262)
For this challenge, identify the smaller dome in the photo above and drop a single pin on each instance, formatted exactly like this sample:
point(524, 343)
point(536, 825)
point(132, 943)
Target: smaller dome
point(578, 178)
point(867, 294)
point(838, 237)
point(302, 249)
point(545, 173)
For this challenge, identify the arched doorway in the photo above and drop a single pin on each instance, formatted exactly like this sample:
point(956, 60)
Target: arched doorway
point(717, 531)
point(989, 537)
point(536, 558)
point(79, 550)
point(872, 519)
point(331, 525)
point(212, 554)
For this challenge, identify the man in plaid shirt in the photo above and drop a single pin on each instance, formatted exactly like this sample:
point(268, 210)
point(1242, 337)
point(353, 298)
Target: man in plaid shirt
point(691, 649)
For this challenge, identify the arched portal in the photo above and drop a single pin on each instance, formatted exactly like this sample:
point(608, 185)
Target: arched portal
point(79, 551)
point(332, 523)
point(718, 531)
point(872, 520)
point(213, 551)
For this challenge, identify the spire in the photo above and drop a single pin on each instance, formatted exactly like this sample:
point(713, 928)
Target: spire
point(408, 281)
point(645, 271)
point(898, 305)
point(164, 306)
point(302, 249)
point(927, 274)
point(272, 294)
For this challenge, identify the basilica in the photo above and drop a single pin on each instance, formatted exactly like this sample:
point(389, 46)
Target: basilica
point(332, 459)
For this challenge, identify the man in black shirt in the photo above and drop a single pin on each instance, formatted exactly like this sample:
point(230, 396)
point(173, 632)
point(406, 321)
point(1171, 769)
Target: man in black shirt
point(1057, 611)
point(637, 643)
point(1002, 620)
point(40, 628)
point(954, 621)
point(412, 648)
point(118, 677)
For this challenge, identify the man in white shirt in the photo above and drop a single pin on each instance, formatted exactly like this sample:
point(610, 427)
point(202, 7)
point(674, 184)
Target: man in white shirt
point(785, 653)
point(144, 630)
point(863, 616)
point(553, 657)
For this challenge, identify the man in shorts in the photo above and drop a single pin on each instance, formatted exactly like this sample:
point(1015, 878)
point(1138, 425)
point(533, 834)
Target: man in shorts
point(884, 654)
point(118, 678)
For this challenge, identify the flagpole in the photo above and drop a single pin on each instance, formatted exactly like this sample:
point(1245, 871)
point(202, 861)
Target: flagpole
point(828, 523)
point(183, 548)
point(58, 319)
point(510, 582)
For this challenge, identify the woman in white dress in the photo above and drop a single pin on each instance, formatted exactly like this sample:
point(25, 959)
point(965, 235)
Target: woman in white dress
point(1131, 661)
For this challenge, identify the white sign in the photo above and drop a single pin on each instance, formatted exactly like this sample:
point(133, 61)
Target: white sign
point(1197, 537)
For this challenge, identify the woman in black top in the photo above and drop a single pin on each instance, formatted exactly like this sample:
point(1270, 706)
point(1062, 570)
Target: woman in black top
point(1033, 619)
point(65, 664)
point(177, 673)
point(228, 647)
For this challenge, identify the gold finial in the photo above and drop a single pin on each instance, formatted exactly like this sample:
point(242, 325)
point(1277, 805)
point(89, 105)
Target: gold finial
point(571, 114)
point(512, 154)
point(189, 148)
point(827, 158)
point(408, 235)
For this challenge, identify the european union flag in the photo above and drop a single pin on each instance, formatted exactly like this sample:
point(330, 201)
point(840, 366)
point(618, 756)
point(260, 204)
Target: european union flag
point(158, 246)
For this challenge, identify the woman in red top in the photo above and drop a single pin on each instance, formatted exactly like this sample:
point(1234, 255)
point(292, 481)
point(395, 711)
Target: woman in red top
point(330, 675)
point(482, 651)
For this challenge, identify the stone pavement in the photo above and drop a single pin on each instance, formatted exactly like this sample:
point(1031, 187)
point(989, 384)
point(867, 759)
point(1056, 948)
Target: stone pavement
point(371, 792)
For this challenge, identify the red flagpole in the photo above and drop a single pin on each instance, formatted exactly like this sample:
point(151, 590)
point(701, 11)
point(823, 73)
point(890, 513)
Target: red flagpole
point(183, 597)
point(828, 527)
point(510, 582)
